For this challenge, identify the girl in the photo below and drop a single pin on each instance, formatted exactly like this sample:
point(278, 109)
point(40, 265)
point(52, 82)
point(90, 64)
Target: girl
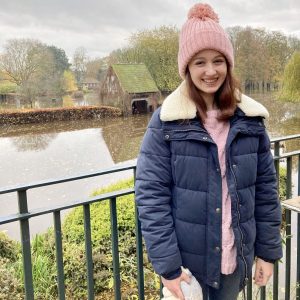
point(206, 186)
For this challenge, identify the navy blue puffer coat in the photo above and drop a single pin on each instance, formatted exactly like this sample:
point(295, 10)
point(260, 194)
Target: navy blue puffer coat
point(179, 193)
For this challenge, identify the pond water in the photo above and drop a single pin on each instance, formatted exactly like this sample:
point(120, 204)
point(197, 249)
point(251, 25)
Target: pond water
point(35, 152)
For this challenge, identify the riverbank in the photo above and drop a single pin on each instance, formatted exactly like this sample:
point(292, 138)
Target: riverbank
point(14, 117)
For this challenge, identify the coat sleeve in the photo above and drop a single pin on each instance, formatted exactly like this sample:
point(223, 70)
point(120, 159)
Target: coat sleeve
point(267, 206)
point(153, 197)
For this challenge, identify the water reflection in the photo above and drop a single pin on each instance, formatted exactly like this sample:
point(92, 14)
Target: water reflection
point(121, 135)
point(32, 142)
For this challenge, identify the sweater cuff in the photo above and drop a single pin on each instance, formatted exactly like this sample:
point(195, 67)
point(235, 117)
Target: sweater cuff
point(271, 261)
point(172, 275)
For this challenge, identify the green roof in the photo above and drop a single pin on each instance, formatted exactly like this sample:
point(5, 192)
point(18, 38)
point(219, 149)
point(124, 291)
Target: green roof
point(135, 78)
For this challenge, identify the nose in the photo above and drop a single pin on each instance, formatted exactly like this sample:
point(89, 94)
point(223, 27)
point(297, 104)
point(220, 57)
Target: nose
point(210, 69)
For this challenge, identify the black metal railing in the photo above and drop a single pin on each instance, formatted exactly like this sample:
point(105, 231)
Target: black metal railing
point(24, 215)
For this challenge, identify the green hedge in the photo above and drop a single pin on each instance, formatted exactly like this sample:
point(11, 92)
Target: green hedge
point(101, 240)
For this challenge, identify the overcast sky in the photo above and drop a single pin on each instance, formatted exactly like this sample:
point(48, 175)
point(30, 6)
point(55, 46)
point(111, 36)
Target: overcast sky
point(104, 25)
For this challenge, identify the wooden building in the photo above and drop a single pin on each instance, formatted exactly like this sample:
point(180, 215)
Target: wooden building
point(90, 83)
point(131, 88)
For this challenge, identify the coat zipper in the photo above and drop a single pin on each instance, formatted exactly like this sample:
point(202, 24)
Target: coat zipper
point(241, 232)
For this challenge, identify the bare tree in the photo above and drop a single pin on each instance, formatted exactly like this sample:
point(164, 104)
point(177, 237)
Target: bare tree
point(80, 60)
point(21, 59)
point(33, 66)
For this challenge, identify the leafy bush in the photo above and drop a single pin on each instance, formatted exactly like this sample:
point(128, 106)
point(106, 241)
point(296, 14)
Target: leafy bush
point(8, 248)
point(10, 286)
point(101, 239)
point(75, 271)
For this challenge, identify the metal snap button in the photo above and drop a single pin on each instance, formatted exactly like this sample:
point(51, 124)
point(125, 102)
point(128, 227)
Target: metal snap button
point(204, 138)
point(215, 284)
point(217, 249)
point(234, 166)
point(218, 210)
point(167, 136)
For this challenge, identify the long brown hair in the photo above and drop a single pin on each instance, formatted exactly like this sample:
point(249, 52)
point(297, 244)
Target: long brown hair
point(226, 98)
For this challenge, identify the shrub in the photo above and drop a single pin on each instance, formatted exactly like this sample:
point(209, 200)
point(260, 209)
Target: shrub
point(10, 286)
point(75, 271)
point(8, 248)
point(101, 239)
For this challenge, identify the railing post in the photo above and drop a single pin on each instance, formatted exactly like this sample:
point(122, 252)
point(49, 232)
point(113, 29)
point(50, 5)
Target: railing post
point(88, 251)
point(275, 281)
point(59, 256)
point(276, 154)
point(139, 251)
point(288, 231)
point(249, 288)
point(115, 248)
point(298, 240)
point(276, 269)
point(26, 250)
point(263, 293)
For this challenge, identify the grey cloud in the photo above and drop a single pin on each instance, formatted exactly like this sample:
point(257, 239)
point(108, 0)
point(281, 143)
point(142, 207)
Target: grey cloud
point(104, 25)
point(92, 14)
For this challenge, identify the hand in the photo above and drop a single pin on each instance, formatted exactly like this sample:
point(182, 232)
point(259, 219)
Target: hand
point(174, 285)
point(263, 272)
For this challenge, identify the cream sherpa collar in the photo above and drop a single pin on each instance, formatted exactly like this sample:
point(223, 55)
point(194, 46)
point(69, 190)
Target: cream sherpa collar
point(178, 106)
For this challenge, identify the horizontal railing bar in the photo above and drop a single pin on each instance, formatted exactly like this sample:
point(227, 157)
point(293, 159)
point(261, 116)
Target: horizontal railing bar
point(38, 184)
point(287, 154)
point(290, 207)
point(43, 211)
point(285, 138)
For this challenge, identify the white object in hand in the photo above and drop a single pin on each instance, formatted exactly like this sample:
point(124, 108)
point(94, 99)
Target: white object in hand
point(191, 291)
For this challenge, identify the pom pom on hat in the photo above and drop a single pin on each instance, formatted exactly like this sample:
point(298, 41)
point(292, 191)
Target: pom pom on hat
point(202, 31)
point(203, 11)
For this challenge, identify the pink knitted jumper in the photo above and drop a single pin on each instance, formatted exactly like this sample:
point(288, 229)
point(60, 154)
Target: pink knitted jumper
point(218, 130)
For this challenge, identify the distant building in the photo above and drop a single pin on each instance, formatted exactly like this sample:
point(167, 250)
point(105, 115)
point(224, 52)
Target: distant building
point(90, 83)
point(131, 88)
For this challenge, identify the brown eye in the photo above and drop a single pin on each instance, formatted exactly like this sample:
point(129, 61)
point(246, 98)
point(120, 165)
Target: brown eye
point(219, 61)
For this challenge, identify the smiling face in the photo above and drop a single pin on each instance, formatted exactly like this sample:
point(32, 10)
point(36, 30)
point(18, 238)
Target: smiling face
point(208, 71)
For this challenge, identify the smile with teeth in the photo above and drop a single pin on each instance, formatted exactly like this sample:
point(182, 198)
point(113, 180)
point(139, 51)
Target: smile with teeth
point(210, 81)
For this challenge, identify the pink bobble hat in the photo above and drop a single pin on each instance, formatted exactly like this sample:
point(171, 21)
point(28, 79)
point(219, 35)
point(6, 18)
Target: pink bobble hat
point(202, 31)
